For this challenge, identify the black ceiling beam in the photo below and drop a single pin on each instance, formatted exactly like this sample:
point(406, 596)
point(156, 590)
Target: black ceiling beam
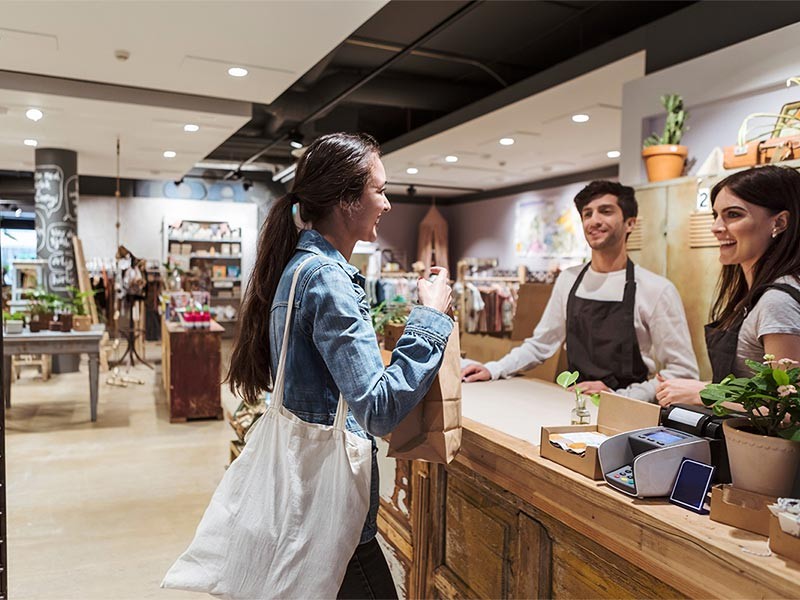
point(461, 12)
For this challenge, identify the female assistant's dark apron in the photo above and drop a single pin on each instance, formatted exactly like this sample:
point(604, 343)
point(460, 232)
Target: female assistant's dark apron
point(601, 337)
point(722, 343)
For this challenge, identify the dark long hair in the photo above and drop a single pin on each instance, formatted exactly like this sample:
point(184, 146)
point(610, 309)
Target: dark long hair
point(776, 189)
point(333, 172)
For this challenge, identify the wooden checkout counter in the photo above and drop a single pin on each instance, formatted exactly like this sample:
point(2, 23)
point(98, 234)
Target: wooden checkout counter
point(502, 522)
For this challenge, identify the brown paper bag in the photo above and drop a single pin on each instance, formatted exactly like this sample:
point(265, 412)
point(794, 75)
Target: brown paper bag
point(432, 431)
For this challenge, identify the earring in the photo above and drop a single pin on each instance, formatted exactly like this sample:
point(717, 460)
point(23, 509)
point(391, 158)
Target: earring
point(774, 232)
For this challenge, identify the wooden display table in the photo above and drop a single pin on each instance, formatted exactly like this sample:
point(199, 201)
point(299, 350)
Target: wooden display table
point(500, 521)
point(55, 342)
point(191, 371)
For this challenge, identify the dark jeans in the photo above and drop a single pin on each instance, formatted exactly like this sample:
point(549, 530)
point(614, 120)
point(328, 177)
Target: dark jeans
point(368, 575)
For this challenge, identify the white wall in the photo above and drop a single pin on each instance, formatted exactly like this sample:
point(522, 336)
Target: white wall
point(718, 89)
point(141, 222)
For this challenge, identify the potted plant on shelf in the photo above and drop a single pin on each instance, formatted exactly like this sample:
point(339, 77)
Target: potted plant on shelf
point(43, 306)
point(663, 155)
point(389, 320)
point(13, 322)
point(764, 445)
point(81, 321)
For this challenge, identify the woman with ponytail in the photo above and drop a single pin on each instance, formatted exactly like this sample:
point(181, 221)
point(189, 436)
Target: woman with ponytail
point(338, 198)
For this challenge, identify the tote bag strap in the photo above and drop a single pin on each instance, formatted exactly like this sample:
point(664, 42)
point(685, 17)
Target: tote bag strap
point(277, 393)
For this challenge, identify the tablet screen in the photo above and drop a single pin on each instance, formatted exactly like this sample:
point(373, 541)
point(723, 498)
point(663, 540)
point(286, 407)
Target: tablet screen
point(691, 485)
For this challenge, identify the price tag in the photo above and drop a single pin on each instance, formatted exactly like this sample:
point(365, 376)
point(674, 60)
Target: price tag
point(704, 199)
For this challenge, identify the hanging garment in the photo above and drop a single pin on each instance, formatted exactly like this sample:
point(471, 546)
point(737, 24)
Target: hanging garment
point(289, 510)
point(601, 338)
point(433, 239)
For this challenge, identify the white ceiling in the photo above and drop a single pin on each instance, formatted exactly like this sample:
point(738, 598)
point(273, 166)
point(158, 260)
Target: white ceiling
point(90, 127)
point(547, 142)
point(181, 46)
point(176, 74)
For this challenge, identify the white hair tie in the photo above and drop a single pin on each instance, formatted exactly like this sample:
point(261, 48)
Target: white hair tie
point(298, 221)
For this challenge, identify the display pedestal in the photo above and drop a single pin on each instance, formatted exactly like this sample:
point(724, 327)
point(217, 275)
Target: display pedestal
point(191, 363)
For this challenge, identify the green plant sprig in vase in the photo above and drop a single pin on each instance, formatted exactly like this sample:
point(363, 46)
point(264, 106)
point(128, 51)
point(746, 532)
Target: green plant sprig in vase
point(580, 414)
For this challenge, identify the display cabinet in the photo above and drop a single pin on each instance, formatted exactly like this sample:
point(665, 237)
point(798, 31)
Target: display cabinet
point(209, 253)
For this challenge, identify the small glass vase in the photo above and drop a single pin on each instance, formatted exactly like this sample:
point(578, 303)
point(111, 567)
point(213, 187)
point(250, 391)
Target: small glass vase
point(580, 414)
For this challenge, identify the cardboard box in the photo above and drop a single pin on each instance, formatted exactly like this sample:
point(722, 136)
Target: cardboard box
point(616, 414)
point(781, 542)
point(741, 508)
point(186, 249)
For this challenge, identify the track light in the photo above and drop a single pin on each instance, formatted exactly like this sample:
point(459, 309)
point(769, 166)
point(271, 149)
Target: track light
point(247, 184)
point(411, 191)
point(295, 139)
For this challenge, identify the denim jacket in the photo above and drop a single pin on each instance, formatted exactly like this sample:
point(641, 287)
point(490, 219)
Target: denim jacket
point(333, 349)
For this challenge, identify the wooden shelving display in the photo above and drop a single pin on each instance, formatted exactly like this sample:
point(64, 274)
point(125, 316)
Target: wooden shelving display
point(212, 248)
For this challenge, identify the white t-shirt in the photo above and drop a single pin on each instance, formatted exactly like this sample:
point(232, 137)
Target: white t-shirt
point(658, 318)
point(775, 312)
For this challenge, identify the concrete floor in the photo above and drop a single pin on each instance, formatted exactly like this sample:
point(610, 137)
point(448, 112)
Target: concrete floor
point(101, 510)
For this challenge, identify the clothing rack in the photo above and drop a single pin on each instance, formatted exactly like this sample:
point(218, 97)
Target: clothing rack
point(467, 266)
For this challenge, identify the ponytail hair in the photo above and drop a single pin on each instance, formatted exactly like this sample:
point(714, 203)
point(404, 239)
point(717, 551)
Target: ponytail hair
point(333, 172)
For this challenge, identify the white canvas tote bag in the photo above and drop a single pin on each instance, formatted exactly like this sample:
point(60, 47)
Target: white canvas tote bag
point(288, 513)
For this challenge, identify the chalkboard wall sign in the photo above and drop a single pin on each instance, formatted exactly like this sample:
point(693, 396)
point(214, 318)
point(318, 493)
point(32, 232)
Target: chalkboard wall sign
point(56, 192)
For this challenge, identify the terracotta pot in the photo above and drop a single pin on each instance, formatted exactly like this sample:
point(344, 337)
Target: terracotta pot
point(759, 463)
point(81, 322)
point(664, 161)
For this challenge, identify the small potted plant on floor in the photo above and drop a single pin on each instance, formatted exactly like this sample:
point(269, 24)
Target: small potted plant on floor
point(764, 445)
point(663, 155)
point(13, 322)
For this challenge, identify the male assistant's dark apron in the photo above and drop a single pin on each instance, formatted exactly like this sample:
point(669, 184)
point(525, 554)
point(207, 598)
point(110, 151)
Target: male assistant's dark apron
point(601, 338)
point(723, 343)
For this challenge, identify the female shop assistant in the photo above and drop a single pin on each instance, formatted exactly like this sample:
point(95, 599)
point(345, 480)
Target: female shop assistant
point(338, 198)
point(756, 310)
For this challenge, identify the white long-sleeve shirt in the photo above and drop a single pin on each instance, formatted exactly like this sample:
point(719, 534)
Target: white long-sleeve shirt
point(658, 318)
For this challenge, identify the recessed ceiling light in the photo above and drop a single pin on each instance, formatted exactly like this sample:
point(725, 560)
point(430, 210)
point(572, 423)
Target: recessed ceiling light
point(580, 118)
point(191, 127)
point(296, 144)
point(450, 158)
point(29, 142)
point(169, 154)
point(612, 154)
point(34, 114)
point(412, 170)
point(237, 72)
point(506, 141)
point(18, 212)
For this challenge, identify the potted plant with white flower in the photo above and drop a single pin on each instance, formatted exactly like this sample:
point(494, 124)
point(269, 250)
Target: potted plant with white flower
point(764, 445)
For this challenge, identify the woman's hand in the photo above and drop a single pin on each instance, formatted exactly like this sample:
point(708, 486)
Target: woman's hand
point(436, 294)
point(679, 391)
